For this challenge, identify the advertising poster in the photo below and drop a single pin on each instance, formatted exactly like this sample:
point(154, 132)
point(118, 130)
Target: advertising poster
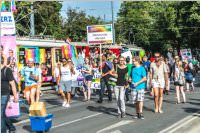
point(8, 40)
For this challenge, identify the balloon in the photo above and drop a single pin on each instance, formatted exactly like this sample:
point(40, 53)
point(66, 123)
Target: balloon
point(142, 53)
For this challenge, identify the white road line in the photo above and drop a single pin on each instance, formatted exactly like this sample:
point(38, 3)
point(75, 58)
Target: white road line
point(180, 123)
point(80, 119)
point(117, 131)
point(21, 122)
point(121, 123)
point(178, 127)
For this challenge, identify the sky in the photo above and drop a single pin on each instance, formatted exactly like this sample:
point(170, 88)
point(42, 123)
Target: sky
point(95, 8)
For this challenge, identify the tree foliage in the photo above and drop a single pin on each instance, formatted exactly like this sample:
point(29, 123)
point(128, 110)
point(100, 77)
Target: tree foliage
point(160, 25)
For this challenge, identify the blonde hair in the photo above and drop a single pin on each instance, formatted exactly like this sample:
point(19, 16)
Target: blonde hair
point(180, 66)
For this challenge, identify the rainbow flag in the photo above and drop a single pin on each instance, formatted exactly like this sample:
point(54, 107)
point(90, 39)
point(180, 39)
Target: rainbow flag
point(76, 53)
point(13, 6)
point(69, 51)
point(3, 6)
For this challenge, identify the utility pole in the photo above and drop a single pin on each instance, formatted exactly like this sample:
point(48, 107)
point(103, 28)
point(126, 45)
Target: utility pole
point(32, 22)
point(113, 27)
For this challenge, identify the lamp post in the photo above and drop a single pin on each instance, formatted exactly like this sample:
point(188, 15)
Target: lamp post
point(113, 27)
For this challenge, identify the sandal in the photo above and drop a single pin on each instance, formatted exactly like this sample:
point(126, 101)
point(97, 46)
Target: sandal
point(160, 111)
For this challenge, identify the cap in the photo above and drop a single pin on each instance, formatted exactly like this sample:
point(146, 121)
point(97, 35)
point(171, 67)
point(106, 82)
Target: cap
point(64, 59)
point(69, 60)
point(30, 60)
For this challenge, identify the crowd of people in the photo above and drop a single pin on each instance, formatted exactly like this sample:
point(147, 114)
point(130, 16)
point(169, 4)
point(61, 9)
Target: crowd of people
point(126, 77)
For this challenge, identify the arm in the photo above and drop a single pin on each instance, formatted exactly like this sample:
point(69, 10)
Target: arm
point(141, 81)
point(14, 90)
point(150, 77)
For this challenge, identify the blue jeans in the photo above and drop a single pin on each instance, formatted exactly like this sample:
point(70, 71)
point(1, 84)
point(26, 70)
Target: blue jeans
point(104, 83)
point(5, 121)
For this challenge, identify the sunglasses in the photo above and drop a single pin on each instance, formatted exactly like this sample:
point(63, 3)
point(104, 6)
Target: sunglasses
point(121, 60)
point(157, 56)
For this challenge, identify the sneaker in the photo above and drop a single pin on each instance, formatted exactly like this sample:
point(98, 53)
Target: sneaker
point(141, 116)
point(118, 115)
point(67, 105)
point(123, 115)
point(99, 101)
point(64, 103)
point(136, 116)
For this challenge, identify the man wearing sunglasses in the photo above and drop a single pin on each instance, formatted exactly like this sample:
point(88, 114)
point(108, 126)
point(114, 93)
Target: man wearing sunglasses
point(158, 81)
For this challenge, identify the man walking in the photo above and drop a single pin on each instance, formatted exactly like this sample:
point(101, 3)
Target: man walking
point(106, 69)
point(138, 75)
point(158, 81)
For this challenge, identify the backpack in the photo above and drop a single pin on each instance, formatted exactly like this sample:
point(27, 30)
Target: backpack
point(16, 84)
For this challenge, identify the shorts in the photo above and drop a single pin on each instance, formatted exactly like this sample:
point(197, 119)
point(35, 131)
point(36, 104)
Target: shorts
point(66, 86)
point(137, 95)
point(158, 83)
point(89, 78)
point(188, 81)
point(28, 88)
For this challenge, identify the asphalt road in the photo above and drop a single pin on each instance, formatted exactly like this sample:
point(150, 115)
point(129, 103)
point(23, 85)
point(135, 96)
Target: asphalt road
point(91, 117)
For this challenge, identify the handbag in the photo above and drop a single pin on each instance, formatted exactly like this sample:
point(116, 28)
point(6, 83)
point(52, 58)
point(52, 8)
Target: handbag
point(13, 109)
point(80, 77)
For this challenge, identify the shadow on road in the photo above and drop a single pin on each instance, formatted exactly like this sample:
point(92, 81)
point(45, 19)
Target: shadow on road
point(102, 109)
point(191, 110)
point(27, 128)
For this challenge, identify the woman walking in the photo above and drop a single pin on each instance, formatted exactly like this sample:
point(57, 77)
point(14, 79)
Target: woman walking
point(179, 81)
point(121, 73)
point(87, 70)
point(188, 75)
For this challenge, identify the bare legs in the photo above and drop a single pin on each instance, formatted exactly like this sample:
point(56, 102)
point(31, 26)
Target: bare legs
point(87, 90)
point(158, 99)
point(178, 90)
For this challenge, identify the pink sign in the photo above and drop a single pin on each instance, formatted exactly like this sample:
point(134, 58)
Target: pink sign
point(8, 41)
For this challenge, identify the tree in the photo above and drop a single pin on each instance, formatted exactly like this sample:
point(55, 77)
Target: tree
point(76, 23)
point(160, 25)
point(48, 20)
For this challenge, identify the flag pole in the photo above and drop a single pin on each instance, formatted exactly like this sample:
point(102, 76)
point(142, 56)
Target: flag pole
point(101, 58)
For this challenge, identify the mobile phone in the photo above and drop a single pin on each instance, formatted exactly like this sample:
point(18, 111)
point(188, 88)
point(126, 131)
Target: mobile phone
point(31, 73)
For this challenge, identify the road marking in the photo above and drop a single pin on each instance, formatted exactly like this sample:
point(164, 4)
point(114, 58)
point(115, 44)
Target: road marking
point(21, 122)
point(180, 123)
point(117, 131)
point(80, 119)
point(121, 123)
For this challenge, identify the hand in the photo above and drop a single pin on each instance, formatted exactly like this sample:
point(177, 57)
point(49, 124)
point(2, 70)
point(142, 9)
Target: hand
point(15, 100)
point(135, 84)
point(102, 75)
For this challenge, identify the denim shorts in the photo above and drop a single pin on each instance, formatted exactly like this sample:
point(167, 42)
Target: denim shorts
point(89, 78)
point(66, 86)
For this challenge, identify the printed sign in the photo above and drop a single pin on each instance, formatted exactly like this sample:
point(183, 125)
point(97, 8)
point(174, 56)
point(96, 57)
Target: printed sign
point(186, 54)
point(98, 34)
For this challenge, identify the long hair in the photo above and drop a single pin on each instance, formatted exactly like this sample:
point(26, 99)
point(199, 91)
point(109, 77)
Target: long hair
point(180, 66)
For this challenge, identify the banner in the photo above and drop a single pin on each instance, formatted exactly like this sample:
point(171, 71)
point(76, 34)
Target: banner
point(186, 54)
point(98, 34)
point(95, 82)
point(8, 40)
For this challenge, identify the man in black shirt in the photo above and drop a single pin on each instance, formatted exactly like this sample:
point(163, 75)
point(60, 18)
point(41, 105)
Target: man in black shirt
point(104, 80)
point(7, 79)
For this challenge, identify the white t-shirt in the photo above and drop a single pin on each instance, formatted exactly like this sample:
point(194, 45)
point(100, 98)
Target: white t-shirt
point(65, 74)
point(179, 74)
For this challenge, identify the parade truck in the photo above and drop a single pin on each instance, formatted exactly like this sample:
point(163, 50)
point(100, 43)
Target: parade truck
point(45, 52)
